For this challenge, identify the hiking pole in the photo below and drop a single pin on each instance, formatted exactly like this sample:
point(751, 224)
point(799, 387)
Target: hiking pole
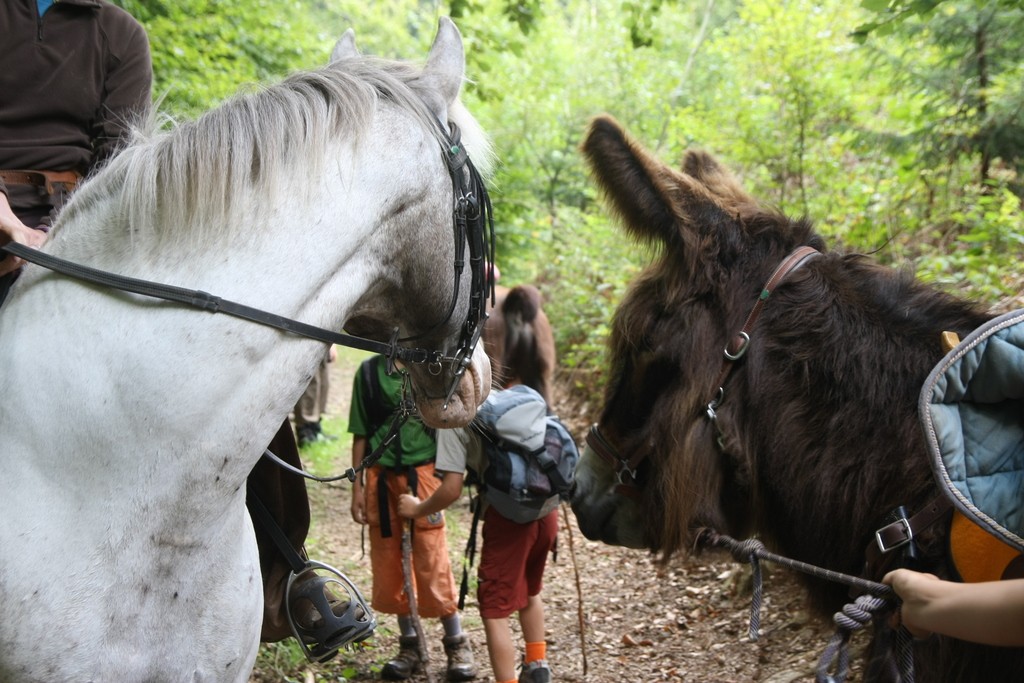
point(579, 590)
point(410, 593)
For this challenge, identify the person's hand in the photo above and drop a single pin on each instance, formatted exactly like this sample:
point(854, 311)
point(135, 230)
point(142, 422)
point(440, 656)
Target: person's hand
point(13, 230)
point(916, 590)
point(332, 354)
point(408, 506)
point(358, 506)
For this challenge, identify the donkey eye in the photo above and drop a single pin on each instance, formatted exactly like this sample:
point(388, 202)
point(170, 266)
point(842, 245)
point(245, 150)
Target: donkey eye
point(645, 380)
point(657, 374)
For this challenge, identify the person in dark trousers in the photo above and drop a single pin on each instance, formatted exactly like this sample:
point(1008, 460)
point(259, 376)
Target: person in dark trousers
point(312, 405)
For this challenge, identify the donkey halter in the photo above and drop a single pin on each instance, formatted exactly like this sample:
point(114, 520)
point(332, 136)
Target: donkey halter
point(735, 349)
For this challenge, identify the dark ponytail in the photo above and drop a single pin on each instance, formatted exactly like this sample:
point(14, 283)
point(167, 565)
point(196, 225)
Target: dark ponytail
point(523, 359)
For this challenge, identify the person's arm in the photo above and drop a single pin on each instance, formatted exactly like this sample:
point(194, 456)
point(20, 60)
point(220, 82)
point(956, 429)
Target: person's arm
point(990, 612)
point(127, 91)
point(13, 230)
point(411, 507)
point(358, 507)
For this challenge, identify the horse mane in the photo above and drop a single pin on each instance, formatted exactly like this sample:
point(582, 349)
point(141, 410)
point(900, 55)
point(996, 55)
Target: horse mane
point(203, 179)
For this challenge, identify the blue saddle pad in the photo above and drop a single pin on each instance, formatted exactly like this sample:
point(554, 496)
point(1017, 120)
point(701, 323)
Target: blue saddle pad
point(972, 411)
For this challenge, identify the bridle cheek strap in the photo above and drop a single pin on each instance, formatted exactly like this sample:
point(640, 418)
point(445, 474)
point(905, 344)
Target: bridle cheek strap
point(626, 469)
point(739, 343)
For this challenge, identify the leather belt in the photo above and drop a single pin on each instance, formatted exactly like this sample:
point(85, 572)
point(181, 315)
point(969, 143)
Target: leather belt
point(44, 179)
point(901, 532)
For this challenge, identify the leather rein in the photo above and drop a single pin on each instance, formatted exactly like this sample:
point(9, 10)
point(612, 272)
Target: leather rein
point(473, 224)
point(736, 347)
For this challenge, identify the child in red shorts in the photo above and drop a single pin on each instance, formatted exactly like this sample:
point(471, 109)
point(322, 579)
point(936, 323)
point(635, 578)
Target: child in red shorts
point(512, 561)
point(513, 556)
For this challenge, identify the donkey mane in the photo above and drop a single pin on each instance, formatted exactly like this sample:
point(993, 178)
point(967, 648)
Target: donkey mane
point(198, 180)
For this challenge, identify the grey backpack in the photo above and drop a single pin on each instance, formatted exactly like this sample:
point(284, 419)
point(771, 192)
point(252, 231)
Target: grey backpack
point(529, 456)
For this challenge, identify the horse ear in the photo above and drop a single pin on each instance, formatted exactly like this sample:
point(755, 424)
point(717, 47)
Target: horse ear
point(652, 198)
point(345, 48)
point(722, 184)
point(446, 65)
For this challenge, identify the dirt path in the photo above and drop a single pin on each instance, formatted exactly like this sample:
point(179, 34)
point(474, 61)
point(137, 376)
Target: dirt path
point(640, 621)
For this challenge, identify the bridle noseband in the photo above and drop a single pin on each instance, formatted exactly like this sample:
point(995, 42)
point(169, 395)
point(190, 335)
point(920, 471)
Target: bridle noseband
point(625, 468)
point(735, 349)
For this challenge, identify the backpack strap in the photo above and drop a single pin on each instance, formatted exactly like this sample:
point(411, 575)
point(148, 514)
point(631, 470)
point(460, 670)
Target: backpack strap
point(382, 493)
point(376, 412)
point(378, 415)
point(547, 463)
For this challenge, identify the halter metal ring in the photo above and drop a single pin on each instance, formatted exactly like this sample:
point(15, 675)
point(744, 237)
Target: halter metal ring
point(744, 345)
point(714, 403)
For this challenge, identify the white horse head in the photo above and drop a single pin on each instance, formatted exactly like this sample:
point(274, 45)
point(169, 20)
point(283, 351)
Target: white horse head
point(130, 424)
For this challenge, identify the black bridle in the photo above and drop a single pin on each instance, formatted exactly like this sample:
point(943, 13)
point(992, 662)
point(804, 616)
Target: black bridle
point(472, 223)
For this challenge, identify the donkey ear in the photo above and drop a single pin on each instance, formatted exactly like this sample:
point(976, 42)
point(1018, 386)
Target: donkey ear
point(641, 189)
point(720, 183)
point(445, 66)
point(345, 48)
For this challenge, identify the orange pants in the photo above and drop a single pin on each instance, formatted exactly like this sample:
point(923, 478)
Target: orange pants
point(432, 578)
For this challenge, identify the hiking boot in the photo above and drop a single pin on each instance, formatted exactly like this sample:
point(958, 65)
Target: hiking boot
point(307, 434)
point(405, 663)
point(461, 666)
point(535, 672)
point(312, 433)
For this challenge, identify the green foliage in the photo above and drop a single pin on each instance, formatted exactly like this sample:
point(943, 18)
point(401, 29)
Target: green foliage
point(880, 121)
point(984, 259)
point(892, 13)
point(584, 280)
point(895, 12)
point(206, 50)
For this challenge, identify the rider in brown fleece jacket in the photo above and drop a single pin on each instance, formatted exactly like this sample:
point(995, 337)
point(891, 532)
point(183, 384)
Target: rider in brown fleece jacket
point(74, 75)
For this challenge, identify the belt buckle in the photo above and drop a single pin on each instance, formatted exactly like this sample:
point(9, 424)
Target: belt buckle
point(900, 544)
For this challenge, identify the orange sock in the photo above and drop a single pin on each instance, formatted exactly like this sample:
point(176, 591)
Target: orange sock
point(535, 651)
point(509, 681)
